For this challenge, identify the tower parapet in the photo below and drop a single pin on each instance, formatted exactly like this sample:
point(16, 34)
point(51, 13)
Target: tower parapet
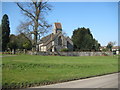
point(57, 27)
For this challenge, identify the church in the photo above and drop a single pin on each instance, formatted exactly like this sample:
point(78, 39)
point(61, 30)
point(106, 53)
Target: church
point(55, 41)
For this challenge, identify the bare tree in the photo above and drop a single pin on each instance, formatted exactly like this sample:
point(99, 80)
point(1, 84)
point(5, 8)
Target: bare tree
point(35, 12)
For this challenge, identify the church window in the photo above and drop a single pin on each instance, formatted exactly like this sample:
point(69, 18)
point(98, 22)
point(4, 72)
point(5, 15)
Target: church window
point(60, 41)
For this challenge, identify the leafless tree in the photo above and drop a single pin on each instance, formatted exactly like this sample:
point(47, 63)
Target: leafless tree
point(36, 23)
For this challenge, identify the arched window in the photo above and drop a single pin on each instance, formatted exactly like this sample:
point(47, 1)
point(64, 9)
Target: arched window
point(59, 41)
point(68, 44)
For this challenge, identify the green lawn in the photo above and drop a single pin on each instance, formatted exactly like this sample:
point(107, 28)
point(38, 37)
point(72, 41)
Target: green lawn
point(26, 70)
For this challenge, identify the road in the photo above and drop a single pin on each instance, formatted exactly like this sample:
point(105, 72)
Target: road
point(106, 81)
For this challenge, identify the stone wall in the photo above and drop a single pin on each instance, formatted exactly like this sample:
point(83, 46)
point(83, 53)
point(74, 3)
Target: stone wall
point(85, 53)
point(73, 53)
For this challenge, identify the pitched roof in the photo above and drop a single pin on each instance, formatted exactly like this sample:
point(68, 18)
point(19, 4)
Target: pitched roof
point(48, 38)
point(58, 25)
point(115, 47)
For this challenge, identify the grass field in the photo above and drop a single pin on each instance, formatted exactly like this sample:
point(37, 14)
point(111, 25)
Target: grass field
point(26, 70)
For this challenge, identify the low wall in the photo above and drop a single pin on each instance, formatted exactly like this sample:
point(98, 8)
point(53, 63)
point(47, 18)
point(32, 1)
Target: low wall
point(86, 53)
point(73, 53)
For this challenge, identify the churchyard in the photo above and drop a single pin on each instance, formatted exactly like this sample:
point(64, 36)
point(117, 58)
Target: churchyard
point(24, 71)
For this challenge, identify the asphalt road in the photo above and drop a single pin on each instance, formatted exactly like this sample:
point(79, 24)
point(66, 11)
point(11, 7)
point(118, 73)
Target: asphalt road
point(106, 81)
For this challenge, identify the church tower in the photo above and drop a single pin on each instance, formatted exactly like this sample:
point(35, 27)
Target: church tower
point(57, 27)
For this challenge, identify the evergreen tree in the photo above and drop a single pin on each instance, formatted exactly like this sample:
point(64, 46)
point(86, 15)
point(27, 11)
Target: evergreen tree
point(23, 42)
point(83, 40)
point(12, 42)
point(19, 42)
point(5, 32)
point(0, 38)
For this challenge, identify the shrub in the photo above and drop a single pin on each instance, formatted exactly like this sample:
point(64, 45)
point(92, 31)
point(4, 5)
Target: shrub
point(105, 54)
point(64, 50)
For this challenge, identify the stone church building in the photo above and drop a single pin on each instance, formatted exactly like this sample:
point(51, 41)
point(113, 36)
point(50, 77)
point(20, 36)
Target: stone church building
point(55, 41)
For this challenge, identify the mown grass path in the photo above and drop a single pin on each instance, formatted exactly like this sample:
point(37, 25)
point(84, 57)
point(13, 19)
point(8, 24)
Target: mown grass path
point(26, 70)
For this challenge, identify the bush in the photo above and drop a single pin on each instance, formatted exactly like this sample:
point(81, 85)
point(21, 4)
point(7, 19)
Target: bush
point(64, 50)
point(105, 54)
